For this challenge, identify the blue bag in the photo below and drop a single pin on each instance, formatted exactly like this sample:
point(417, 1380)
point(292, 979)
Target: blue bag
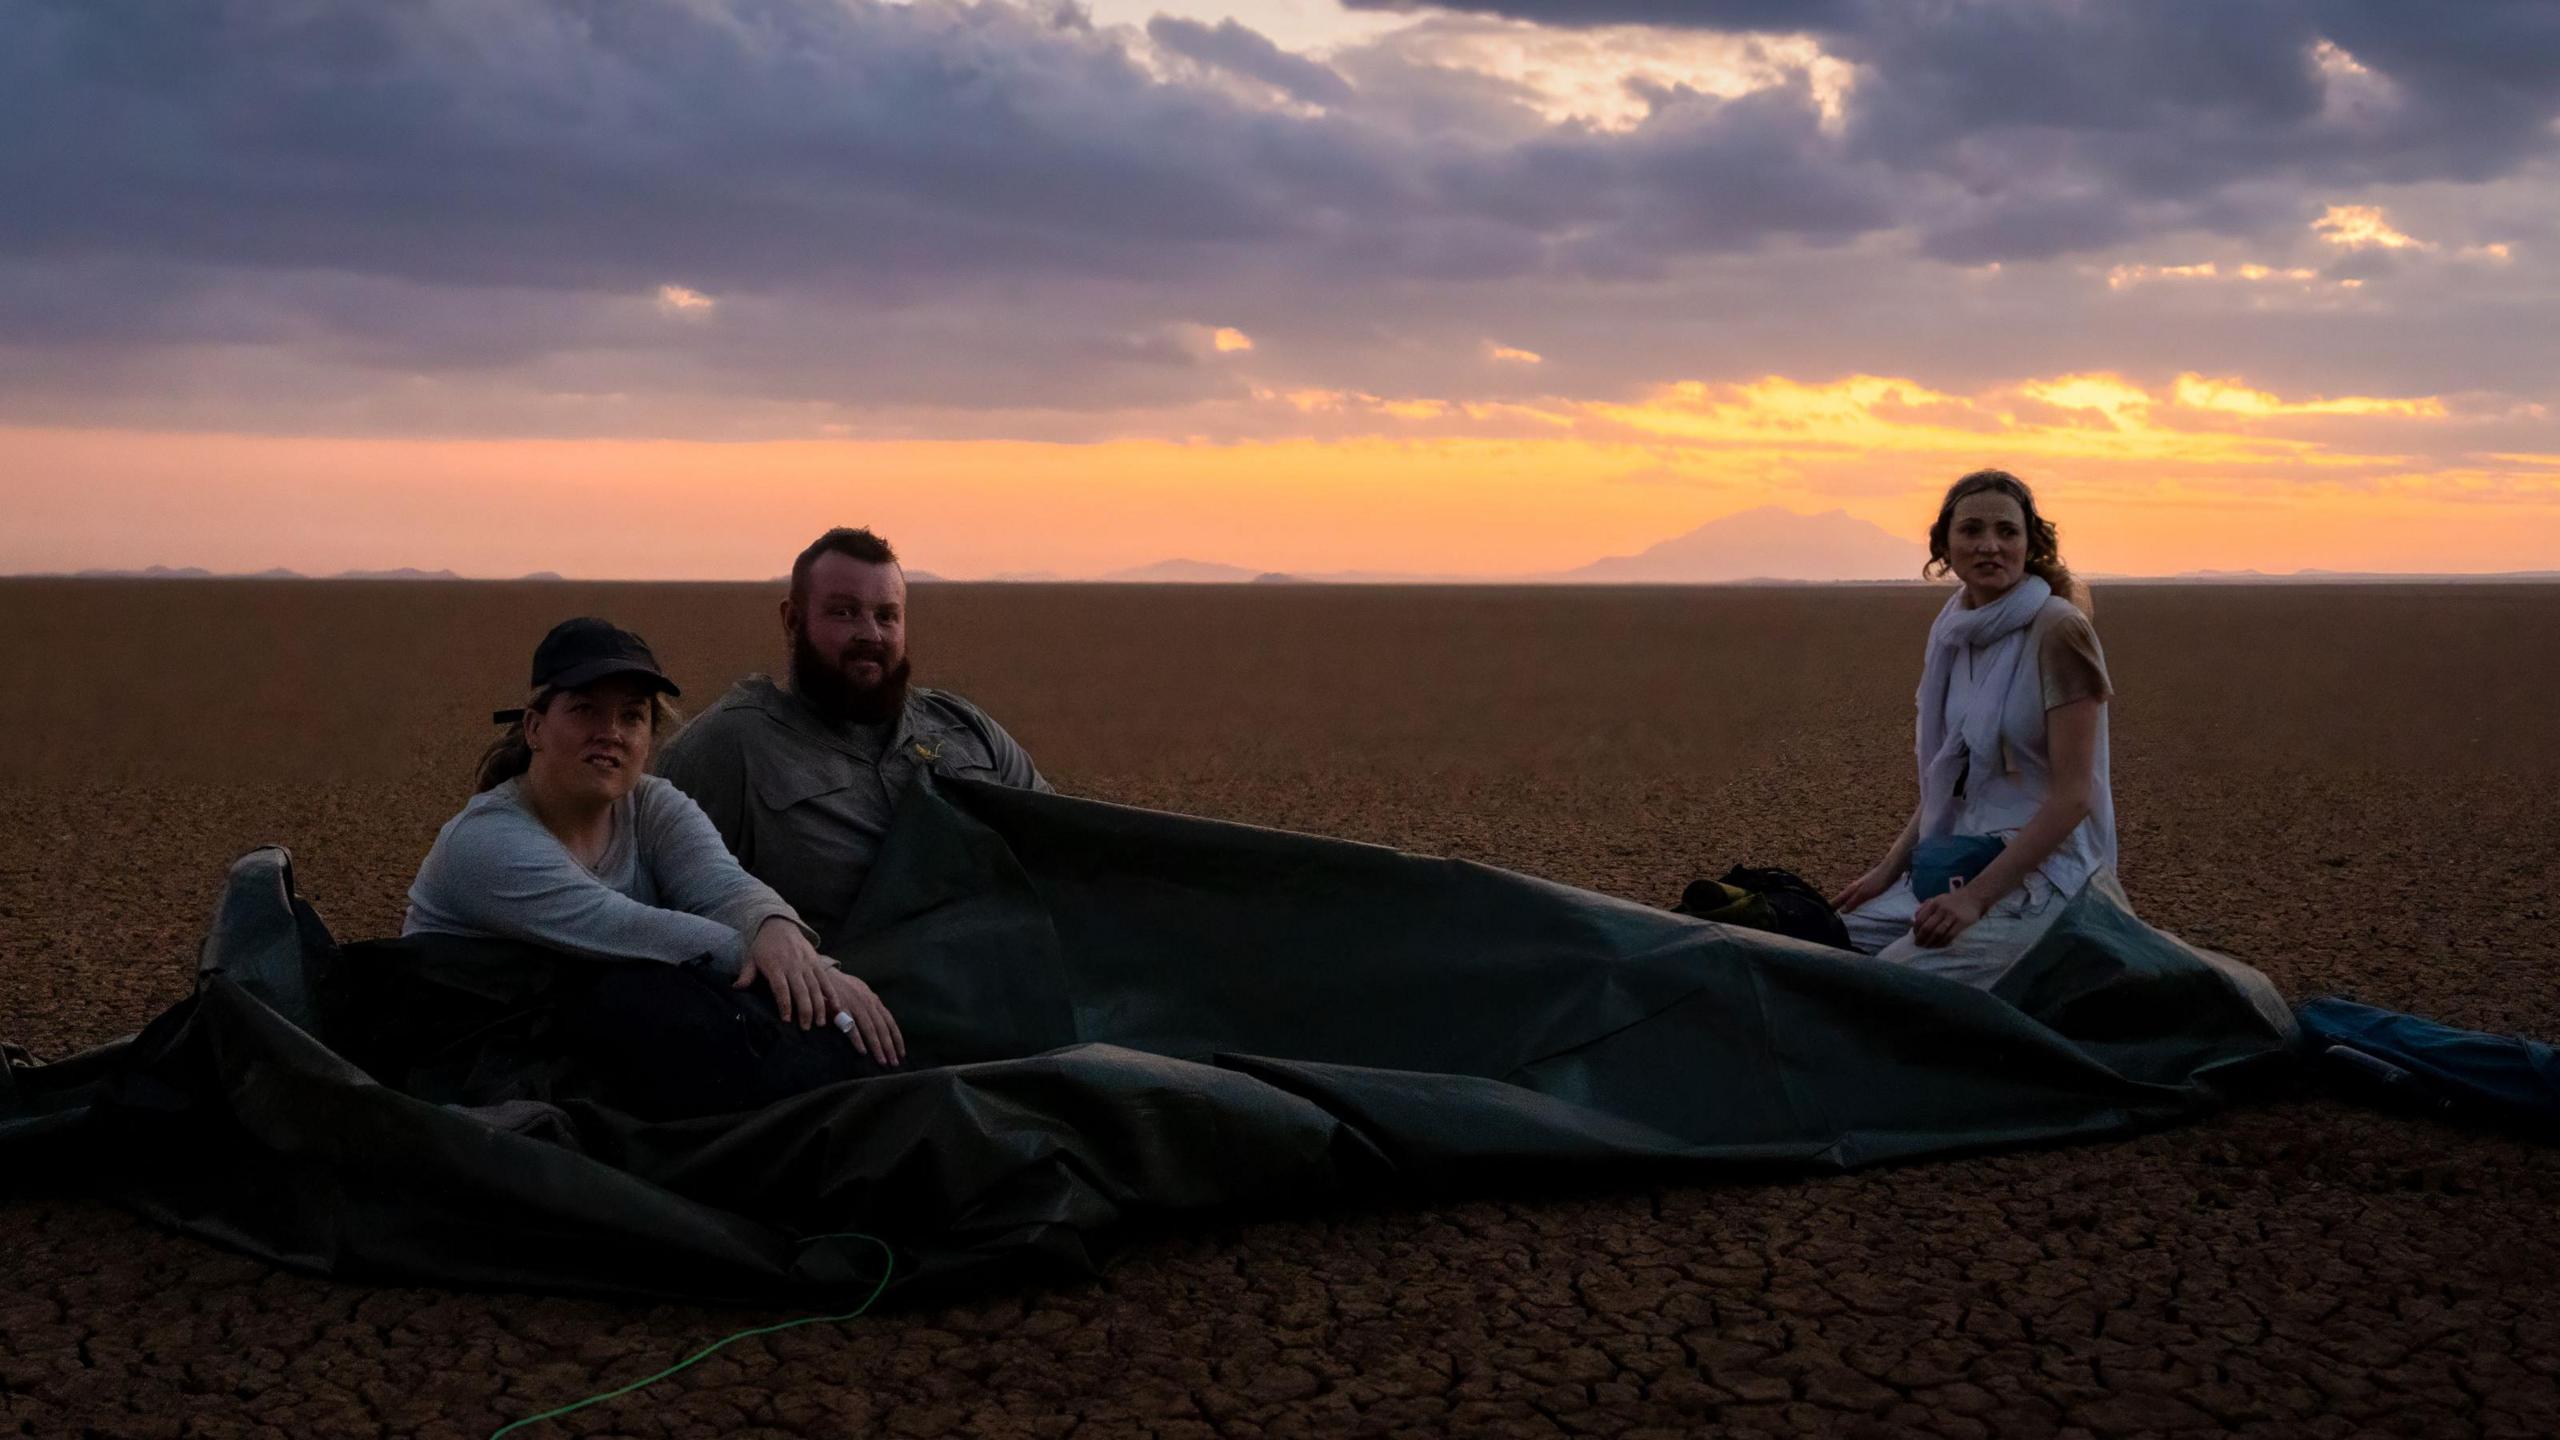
point(1938, 865)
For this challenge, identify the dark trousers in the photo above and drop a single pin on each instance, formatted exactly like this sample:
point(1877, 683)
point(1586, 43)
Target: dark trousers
point(669, 1042)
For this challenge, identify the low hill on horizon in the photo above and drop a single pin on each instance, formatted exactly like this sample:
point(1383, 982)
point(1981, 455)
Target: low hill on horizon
point(1771, 543)
point(1183, 572)
point(1767, 543)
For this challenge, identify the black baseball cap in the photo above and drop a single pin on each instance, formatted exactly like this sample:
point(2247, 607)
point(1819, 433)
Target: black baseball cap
point(585, 650)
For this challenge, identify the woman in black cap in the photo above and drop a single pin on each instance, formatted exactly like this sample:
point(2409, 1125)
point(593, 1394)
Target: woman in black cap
point(571, 844)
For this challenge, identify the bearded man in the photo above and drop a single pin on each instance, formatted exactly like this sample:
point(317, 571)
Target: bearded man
point(801, 781)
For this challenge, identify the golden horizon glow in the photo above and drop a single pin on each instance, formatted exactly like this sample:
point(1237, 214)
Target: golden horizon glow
point(2150, 478)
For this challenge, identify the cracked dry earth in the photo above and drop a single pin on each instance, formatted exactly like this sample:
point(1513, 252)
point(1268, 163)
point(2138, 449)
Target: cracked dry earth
point(2348, 787)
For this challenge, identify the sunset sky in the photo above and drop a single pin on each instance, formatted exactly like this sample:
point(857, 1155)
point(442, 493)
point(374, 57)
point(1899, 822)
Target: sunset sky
point(659, 288)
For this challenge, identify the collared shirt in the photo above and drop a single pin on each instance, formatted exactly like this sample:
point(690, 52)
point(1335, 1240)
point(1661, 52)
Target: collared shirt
point(804, 803)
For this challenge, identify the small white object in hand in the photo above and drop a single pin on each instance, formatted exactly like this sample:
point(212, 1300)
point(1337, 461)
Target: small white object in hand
point(844, 1021)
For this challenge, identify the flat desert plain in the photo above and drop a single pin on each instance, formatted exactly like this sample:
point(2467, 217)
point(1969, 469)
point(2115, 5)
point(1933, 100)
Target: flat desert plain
point(2349, 787)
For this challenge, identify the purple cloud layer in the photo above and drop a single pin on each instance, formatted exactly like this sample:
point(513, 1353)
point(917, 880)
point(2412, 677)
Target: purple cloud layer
point(456, 215)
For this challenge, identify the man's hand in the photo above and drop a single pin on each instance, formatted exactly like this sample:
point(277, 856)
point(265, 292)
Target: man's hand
point(1863, 889)
point(875, 1031)
point(792, 968)
point(1944, 918)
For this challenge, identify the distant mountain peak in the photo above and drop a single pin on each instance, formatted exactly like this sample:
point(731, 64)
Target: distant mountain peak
point(1183, 572)
point(147, 572)
point(1766, 542)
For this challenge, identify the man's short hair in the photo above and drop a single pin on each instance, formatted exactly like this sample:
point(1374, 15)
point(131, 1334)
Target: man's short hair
point(859, 544)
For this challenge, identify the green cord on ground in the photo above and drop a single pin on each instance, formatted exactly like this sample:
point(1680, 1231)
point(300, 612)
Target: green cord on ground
point(888, 1262)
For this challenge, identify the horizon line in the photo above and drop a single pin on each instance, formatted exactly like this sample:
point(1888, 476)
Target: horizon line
point(1266, 580)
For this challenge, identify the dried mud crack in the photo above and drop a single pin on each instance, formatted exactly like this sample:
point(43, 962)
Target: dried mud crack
point(2347, 788)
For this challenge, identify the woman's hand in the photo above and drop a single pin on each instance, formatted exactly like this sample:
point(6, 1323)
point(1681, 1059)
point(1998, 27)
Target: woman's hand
point(1942, 919)
point(875, 1031)
point(792, 968)
point(1863, 889)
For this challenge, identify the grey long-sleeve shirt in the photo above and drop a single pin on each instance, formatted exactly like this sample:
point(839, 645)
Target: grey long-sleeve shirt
point(666, 888)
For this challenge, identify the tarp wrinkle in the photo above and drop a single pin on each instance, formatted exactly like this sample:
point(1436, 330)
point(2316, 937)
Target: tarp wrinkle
point(1124, 1013)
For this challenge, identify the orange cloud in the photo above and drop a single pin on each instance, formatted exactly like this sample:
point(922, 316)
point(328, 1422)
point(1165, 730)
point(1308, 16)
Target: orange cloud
point(2363, 227)
point(684, 300)
point(2231, 397)
point(1600, 76)
point(2125, 277)
point(2088, 416)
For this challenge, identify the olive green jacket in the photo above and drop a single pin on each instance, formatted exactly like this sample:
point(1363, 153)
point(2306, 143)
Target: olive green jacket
point(804, 804)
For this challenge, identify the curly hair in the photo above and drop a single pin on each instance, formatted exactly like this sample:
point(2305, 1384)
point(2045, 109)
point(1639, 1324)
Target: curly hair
point(2044, 542)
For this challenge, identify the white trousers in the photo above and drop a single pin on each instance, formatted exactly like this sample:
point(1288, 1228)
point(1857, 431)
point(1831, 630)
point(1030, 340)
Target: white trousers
point(1979, 956)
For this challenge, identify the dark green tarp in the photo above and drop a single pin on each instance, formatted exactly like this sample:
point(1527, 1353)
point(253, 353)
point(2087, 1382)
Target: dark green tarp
point(1135, 1013)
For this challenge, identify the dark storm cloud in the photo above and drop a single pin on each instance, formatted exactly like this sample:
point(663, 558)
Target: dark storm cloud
point(1709, 174)
point(1675, 14)
point(606, 143)
point(1230, 46)
point(2166, 98)
point(2167, 109)
point(855, 153)
point(762, 143)
point(1003, 205)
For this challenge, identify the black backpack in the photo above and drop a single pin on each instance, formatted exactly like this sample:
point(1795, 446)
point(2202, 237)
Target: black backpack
point(1766, 898)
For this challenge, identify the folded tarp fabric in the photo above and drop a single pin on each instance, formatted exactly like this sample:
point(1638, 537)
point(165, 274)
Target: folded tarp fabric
point(1111, 1013)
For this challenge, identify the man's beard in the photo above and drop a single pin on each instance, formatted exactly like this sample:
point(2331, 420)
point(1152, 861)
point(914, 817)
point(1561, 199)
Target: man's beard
point(838, 700)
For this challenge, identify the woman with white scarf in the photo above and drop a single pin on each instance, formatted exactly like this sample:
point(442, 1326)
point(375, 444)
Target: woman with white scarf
point(2016, 813)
